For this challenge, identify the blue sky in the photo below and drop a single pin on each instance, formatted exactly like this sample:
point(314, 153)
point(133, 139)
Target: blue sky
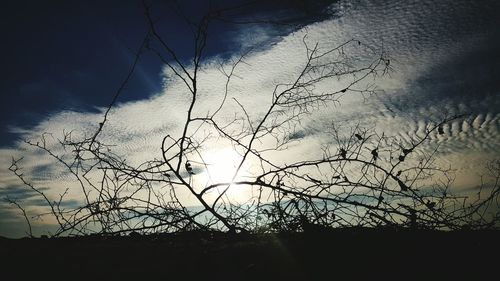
point(64, 61)
point(67, 55)
point(63, 55)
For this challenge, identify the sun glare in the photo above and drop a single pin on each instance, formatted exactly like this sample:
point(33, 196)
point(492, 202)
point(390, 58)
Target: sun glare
point(221, 165)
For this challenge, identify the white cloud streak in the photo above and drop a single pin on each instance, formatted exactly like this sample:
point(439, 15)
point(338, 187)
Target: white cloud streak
point(420, 36)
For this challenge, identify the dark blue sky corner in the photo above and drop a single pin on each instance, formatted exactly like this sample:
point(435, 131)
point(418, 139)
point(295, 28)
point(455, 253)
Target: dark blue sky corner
point(73, 56)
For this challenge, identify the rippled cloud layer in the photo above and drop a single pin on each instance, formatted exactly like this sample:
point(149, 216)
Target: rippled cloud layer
point(445, 60)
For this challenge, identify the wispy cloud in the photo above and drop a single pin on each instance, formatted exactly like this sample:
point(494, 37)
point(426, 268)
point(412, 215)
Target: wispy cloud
point(442, 55)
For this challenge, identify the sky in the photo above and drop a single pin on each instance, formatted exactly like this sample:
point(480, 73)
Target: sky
point(63, 62)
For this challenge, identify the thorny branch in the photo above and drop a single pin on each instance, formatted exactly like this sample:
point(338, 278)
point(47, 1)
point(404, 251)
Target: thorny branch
point(361, 179)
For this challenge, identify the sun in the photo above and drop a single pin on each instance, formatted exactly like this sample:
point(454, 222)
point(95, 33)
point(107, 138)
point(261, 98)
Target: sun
point(221, 164)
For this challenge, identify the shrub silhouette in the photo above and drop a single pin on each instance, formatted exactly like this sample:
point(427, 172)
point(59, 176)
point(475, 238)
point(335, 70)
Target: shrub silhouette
point(372, 181)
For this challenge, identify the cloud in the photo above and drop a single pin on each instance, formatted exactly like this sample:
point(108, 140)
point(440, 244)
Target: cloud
point(19, 192)
point(445, 58)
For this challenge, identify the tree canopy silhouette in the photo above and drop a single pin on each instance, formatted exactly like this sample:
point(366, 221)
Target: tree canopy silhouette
point(362, 178)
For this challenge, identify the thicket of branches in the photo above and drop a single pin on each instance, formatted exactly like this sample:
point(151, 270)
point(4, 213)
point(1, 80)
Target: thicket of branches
point(365, 179)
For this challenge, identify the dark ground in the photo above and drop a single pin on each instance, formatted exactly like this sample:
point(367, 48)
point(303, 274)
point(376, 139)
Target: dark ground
point(338, 255)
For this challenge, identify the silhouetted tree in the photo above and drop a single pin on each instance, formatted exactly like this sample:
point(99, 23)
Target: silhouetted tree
point(371, 180)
